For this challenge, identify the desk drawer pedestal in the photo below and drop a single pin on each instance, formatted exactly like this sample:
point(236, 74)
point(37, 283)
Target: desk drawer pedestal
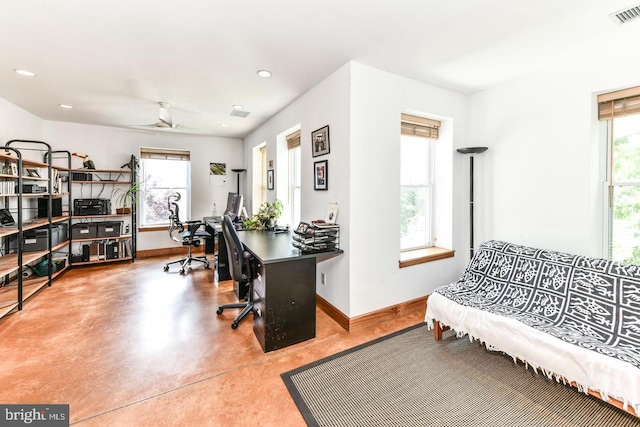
point(285, 301)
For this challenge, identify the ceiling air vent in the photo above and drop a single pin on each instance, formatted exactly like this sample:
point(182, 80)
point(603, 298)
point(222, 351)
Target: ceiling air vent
point(238, 113)
point(626, 15)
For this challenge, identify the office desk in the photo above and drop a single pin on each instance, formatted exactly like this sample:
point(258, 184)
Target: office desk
point(223, 260)
point(284, 289)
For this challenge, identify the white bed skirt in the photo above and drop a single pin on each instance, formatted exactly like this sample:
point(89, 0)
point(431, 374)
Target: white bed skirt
point(609, 376)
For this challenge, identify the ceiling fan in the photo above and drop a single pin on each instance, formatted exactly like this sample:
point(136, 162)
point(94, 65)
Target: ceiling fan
point(165, 123)
point(164, 116)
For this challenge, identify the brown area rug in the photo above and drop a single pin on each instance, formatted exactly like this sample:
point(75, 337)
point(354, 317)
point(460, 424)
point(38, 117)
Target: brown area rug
point(409, 379)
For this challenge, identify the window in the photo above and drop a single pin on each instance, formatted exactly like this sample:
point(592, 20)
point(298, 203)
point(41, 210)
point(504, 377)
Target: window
point(621, 112)
point(263, 175)
point(293, 147)
point(162, 172)
point(416, 181)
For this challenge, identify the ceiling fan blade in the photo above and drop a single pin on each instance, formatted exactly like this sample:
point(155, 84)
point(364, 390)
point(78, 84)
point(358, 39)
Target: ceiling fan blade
point(165, 116)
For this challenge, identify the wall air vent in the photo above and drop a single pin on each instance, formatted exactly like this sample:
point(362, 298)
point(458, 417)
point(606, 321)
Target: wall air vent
point(626, 15)
point(238, 113)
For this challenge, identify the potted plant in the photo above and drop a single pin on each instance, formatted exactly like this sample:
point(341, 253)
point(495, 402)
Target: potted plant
point(128, 197)
point(267, 216)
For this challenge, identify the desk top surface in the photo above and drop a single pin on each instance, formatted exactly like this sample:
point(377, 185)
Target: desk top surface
point(269, 246)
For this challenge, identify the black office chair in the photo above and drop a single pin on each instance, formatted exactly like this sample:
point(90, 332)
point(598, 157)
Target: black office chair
point(187, 233)
point(240, 268)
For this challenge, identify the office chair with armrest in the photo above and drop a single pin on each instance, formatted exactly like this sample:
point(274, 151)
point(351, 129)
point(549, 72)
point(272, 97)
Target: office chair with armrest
point(187, 233)
point(240, 267)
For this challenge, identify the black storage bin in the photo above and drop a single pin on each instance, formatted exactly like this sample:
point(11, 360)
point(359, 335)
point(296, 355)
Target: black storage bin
point(34, 240)
point(56, 207)
point(109, 228)
point(84, 231)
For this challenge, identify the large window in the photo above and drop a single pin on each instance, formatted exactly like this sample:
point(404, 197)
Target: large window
point(621, 111)
point(293, 147)
point(416, 181)
point(163, 172)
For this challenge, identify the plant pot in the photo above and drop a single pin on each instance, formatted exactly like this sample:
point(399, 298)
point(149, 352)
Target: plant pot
point(269, 223)
point(123, 211)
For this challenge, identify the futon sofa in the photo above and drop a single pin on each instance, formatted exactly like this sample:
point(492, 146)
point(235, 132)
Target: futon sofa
point(575, 318)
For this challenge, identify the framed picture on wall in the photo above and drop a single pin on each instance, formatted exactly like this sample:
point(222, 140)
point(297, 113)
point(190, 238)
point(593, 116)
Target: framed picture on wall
point(320, 175)
point(270, 183)
point(320, 141)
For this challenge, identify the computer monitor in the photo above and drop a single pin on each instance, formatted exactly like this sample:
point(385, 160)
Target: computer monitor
point(234, 205)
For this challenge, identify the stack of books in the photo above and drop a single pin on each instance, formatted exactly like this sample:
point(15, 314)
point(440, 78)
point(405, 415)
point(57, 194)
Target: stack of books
point(317, 237)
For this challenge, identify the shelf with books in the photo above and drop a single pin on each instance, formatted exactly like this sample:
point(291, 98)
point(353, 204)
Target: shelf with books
point(29, 241)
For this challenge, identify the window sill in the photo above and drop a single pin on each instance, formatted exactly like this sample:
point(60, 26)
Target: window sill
point(421, 256)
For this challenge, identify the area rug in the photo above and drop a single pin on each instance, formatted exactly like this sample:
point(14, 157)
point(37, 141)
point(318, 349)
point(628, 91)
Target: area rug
point(409, 379)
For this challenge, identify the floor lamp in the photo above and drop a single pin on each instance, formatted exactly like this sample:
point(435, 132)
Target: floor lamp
point(238, 171)
point(471, 151)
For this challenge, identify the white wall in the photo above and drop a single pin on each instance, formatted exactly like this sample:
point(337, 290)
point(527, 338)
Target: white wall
point(362, 107)
point(16, 123)
point(325, 104)
point(378, 98)
point(542, 185)
point(110, 148)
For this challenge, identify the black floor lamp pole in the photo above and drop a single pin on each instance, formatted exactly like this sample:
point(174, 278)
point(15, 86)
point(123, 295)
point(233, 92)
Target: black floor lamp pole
point(238, 171)
point(471, 151)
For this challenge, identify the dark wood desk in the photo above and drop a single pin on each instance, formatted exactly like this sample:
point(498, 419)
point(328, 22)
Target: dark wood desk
point(284, 289)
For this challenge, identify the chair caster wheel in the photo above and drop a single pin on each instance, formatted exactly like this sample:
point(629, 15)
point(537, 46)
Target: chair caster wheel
point(234, 325)
point(219, 311)
point(166, 268)
point(182, 271)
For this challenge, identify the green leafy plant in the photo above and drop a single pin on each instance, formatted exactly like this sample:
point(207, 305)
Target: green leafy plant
point(126, 198)
point(267, 216)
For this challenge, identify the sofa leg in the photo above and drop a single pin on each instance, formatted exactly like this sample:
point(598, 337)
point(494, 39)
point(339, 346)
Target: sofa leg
point(438, 330)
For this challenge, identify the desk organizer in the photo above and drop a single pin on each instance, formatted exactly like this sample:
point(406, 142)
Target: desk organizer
point(311, 238)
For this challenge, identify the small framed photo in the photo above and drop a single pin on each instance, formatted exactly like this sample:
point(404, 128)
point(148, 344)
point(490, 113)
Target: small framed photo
point(332, 214)
point(270, 185)
point(302, 228)
point(14, 169)
point(320, 141)
point(320, 175)
point(33, 173)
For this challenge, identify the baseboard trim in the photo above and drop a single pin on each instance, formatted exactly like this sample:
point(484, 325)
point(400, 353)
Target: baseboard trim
point(374, 317)
point(340, 318)
point(178, 251)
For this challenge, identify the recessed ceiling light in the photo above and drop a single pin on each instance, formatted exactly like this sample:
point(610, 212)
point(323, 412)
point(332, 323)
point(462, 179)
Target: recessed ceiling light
point(224, 125)
point(264, 73)
point(26, 73)
point(237, 107)
point(68, 107)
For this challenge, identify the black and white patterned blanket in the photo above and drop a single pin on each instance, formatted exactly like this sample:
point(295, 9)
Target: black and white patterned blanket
point(589, 302)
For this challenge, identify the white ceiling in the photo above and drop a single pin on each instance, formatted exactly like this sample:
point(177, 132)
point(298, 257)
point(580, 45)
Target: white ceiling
point(114, 60)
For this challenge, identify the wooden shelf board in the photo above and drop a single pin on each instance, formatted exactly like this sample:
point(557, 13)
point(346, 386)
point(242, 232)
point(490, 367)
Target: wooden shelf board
point(101, 261)
point(98, 216)
point(125, 171)
point(101, 182)
point(59, 246)
point(9, 262)
point(34, 223)
point(6, 309)
point(8, 295)
point(31, 286)
point(97, 239)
